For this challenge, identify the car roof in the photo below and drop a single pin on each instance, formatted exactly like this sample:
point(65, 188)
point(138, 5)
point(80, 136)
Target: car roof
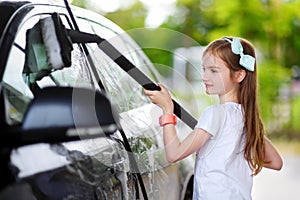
point(7, 9)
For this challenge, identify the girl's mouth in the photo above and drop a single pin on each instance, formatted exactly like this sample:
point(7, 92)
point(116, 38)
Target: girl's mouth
point(208, 85)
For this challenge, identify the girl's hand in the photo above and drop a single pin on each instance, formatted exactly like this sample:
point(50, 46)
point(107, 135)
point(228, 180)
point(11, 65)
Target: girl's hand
point(161, 98)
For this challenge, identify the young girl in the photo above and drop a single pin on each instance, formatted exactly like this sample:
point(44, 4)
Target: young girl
point(229, 137)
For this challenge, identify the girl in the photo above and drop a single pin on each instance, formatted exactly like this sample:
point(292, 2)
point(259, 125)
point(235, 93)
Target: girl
point(229, 137)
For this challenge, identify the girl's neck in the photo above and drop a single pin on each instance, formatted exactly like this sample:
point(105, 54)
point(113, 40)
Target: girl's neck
point(230, 96)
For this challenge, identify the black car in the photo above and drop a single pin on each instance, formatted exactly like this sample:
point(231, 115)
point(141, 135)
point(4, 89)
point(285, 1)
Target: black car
point(74, 121)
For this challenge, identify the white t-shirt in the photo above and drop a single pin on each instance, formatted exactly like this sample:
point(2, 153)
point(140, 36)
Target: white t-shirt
point(221, 171)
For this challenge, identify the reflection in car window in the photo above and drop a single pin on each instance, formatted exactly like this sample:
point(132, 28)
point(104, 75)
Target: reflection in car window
point(76, 75)
point(123, 89)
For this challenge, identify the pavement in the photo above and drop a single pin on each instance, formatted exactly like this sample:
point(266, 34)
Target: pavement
point(278, 185)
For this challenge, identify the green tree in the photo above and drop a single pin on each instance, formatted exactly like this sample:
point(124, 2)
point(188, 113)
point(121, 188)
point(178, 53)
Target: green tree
point(79, 3)
point(131, 18)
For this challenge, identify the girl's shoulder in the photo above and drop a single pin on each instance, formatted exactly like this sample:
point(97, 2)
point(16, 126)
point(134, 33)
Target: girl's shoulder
point(214, 111)
point(224, 106)
point(222, 110)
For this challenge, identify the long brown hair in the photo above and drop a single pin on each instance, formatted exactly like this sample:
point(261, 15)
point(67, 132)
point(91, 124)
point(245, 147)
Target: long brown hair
point(254, 151)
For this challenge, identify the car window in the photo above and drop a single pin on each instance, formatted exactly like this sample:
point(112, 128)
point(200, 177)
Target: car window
point(26, 70)
point(137, 114)
point(16, 92)
point(123, 89)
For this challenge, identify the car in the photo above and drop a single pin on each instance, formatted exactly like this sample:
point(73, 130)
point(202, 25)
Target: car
point(75, 123)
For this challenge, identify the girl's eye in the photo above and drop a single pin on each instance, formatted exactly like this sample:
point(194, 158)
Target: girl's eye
point(211, 70)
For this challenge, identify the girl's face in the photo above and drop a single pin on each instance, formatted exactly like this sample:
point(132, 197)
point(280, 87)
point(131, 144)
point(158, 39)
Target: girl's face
point(216, 77)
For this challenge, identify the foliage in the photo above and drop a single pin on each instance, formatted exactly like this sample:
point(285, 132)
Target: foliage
point(296, 114)
point(271, 77)
point(273, 24)
point(134, 17)
point(140, 145)
point(79, 3)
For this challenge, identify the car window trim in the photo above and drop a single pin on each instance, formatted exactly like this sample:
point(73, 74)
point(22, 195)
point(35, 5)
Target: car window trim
point(9, 34)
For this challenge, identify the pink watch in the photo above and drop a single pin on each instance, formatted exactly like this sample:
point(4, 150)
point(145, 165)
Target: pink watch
point(167, 119)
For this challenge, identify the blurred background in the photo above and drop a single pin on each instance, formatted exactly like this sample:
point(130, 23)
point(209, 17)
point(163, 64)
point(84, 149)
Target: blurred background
point(170, 28)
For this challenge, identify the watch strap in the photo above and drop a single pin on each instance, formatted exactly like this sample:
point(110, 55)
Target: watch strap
point(167, 119)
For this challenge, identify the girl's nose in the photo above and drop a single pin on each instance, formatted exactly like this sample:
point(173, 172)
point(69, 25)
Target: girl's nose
point(204, 77)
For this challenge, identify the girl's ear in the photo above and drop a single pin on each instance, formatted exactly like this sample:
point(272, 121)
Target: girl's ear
point(240, 75)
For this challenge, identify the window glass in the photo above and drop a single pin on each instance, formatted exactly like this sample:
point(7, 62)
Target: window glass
point(16, 91)
point(27, 70)
point(137, 114)
point(122, 88)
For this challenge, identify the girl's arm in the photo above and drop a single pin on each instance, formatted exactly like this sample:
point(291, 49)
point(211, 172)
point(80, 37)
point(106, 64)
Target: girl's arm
point(272, 157)
point(174, 148)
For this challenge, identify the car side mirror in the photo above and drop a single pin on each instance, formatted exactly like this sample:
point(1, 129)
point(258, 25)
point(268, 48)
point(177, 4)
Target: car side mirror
point(60, 114)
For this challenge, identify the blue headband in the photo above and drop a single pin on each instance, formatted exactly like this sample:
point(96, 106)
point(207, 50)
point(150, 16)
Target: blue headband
point(246, 61)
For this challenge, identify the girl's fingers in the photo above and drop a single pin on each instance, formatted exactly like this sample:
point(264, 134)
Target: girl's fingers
point(161, 98)
point(162, 87)
point(148, 92)
point(154, 92)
